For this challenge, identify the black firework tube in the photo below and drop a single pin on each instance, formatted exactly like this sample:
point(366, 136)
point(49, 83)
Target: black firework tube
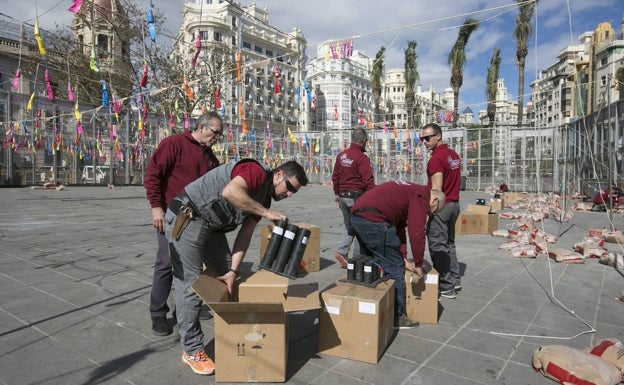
point(359, 270)
point(274, 244)
point(351, 270)
point(300, 244)
point(368, 272)
point(285, 248)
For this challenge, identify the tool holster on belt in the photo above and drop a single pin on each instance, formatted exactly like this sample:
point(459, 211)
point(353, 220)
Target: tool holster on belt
point(184, 214)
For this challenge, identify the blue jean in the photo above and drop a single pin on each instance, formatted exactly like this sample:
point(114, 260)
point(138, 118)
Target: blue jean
point(380, 240)
point(197, 246)
point(441, 238)
point(162, 279)
point(344, 246)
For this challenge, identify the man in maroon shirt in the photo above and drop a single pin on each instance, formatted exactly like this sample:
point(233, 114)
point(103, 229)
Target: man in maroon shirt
point(444, 173)
point(178, 160)
point(352, 176)
point(378, 220)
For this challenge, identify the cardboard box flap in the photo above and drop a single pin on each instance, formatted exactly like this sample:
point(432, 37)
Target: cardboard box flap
point(479, 209)
point(303, 296)
point(266, 286)
point(246, 307)
point(210, 289)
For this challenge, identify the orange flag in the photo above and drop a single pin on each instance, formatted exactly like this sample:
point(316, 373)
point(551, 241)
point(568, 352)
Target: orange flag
point(188, 90)
point(239, 58)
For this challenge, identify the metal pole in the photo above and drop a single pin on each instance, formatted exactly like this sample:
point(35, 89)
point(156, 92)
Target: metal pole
point(127, 141)
point(10, 170)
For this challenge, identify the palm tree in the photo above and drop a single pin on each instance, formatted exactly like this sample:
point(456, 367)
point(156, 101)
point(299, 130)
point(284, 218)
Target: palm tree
point(377, 75)
point(411, 76)
point(492, 85)
point(457, 61)
point(522, 33)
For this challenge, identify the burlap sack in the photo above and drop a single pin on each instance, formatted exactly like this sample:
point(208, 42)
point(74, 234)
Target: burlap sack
point(566, 256)
point(610, 350)
point(568, 365)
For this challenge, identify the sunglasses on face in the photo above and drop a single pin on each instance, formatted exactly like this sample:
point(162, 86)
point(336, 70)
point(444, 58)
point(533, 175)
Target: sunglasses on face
point(426, 138)
point(289, 186)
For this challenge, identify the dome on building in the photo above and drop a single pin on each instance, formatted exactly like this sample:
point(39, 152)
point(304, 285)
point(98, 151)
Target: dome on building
point(467, 110)
point(106, 9)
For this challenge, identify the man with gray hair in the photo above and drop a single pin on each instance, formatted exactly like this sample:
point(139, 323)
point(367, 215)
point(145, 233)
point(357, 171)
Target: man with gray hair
point(177, 161)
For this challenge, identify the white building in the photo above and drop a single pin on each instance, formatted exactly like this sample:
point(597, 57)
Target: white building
point(238, 42)
point(342, 88)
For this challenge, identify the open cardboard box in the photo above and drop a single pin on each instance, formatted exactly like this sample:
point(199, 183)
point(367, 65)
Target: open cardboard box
point(251, 335)
point(421, 297)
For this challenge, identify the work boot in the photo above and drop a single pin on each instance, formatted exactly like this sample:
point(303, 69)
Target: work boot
point(404, 323)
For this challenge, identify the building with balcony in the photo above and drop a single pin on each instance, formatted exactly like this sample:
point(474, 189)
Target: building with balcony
point(244, 57)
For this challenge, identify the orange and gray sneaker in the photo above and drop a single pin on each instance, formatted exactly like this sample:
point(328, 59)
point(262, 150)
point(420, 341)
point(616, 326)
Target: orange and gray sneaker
point(341, 260)
point(199, 362)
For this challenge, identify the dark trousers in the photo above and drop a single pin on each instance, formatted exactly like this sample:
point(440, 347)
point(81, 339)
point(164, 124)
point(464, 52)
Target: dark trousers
point(163, 278)
point(380, 240)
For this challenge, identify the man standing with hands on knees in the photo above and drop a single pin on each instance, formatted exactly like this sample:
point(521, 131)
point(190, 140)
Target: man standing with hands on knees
point(443, 173)
point(178, 160)
point(379, 219)
point(196, 224)
point(352, 176)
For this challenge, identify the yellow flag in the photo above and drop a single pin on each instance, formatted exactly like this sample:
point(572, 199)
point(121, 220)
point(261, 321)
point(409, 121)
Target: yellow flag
point(30, 102)
point(291, 136)
point(39, 39)
point(77, 113)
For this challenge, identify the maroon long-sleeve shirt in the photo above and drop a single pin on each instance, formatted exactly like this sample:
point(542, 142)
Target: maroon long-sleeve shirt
point(178, 160)
point(352, 170)
point(402, 204)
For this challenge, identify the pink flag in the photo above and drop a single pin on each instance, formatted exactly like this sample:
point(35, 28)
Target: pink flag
point(16, 79)
point(70, 93)
point(76, 6)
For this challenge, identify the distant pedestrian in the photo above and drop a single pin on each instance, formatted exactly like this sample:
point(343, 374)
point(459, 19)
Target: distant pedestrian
point(503, 187)
point(197, 220)
point(177, 161)
point(379, 220)
point(444, 174)
point(352, 176)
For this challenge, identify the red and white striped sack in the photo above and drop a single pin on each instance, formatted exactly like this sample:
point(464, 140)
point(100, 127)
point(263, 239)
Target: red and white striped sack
point(567, 365)
point(612, 351)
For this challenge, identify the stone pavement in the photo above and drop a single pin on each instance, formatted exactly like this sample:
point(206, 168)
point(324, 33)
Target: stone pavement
point(75, 275)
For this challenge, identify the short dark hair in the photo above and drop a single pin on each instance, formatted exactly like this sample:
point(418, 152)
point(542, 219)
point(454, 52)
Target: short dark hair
point(359, 136)
point(292, 168)
point(436, 129)
point(206, 118)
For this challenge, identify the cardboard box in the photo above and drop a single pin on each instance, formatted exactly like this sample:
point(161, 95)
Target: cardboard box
point(251, 342)
point(312, 255)
point(468, 223)
point(497, 204)
point(266, 286)
point(477, 219)
point(356, 322)
point(251, 336)
point(421, 297)
point(510, 198)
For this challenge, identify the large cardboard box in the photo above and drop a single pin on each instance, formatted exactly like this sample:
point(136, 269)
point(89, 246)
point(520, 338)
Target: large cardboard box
point(251, 336)
point(477, 219)
point(356, 321)
point(312, 255)
point(421, 297)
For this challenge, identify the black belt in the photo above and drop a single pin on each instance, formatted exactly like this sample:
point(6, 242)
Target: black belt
point(353, 194)
point(181, 202)
point(366, 210)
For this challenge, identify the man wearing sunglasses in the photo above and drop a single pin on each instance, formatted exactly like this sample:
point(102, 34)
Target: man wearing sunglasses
point(443, 173)
point(177, 161)
point(196, 223)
